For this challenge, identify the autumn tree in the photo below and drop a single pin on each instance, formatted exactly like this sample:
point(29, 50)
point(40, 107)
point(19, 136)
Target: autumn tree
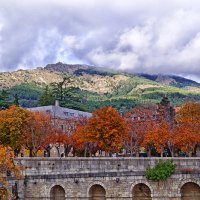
point(106, 128)
point(138, 120)
point(36, 132)
point(81, 146)
point(158, 135)
point(71, 125)
point(12, 123)
point(58, 139)
point(188, 127)
point(7, 167)
point(67, 127)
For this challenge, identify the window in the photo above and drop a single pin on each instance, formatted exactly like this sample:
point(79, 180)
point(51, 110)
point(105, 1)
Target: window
point(135, 118)
point(142, 118)
point(48, 111)
point(66, 114)
point(153, 116)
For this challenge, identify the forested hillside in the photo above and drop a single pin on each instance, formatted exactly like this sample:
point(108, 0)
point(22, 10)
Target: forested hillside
point(87, 88)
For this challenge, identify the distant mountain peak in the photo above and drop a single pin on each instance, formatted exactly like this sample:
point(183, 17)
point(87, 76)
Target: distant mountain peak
point(65, 68)
point(171, 80)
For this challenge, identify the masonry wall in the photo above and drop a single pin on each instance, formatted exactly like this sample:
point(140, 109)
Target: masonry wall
point(117, 176)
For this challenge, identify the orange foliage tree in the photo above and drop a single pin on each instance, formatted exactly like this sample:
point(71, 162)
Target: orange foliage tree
point(158, 135)
point(188, 127)
point(58, 139)
point(106, 128)
point(7, 166)
point(80, 145)
point(36, 132)
point(71, 126)
point(138, 120)
point(12, 123)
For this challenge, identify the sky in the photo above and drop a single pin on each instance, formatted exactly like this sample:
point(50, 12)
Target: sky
point(141, 36)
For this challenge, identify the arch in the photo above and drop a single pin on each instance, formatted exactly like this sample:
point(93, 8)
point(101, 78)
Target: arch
point(95, 183)
point(97, 192)
point(190, 190)
point(57, 192)
point(141, 191)
point(182, 182)
point(143, 182)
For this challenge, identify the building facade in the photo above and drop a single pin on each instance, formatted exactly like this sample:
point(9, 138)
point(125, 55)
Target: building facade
point(63, 119)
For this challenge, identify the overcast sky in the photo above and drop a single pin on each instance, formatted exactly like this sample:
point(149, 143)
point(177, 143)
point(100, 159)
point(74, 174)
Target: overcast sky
point(149, 36)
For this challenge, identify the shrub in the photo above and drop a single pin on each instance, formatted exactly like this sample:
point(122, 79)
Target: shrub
point(161, 171)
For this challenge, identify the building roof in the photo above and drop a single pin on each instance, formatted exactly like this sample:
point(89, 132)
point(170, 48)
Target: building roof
point(60, 112)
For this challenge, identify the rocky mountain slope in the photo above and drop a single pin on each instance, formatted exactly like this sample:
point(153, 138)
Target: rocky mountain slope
point(98, 87)
point(171, 80)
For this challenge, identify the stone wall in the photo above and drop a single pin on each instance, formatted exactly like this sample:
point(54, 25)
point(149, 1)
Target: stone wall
point(118, 176)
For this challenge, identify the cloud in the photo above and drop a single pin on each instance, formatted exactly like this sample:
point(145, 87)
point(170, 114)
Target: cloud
point(139, 36)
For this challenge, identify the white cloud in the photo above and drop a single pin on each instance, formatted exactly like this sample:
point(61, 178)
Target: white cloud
point(141, 35)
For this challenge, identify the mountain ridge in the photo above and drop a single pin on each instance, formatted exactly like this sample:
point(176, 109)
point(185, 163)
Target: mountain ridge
point(173, 80)
point(80, 70)
point(98, 87)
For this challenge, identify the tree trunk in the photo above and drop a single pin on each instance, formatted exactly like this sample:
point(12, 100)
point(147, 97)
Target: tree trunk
point(58, 151)
point(67, 148)
point(188, 151)
point(149, 152)
point(161, 152)
point(48, 153)
point(16, 152)
point(85, 151)
point(172, 152)
point(137, 153)
point(48, 150)
point(30, 152)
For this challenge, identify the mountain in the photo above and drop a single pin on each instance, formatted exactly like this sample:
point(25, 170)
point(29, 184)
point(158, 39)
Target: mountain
point(89, 87)
point(171, 80)
point(78, 70)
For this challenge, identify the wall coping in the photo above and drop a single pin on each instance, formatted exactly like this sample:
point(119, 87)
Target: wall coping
point(105, 158)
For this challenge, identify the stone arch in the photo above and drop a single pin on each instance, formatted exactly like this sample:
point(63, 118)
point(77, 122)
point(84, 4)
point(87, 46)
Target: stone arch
point(141, 191)
point(57, 192)
point(97, 192)
point(95, 183)
point(182, 182)
point(47, 189)
point(190, 190)
point(142, 182)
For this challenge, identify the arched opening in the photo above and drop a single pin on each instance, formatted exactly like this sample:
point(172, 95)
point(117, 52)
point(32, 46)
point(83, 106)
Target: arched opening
point(57, 193)
point(141, 192)
point(97, 192)
point(190, 191)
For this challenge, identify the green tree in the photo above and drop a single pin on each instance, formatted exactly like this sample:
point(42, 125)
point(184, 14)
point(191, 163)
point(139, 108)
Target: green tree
point(47, 97)
point(66, 93)
point(4, 103)
point(58, 88)
point(16, 100)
